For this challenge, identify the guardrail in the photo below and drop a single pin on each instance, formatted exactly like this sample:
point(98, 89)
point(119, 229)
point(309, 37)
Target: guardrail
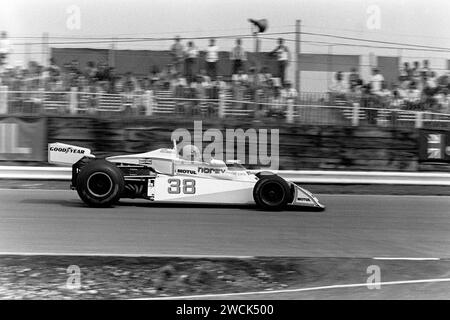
point(302, 176)
point(311, 109)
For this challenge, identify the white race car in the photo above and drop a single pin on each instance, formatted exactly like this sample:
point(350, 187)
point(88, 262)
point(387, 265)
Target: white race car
point(164, 176)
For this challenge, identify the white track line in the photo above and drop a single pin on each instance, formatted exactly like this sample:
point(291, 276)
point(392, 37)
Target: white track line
point(125, 255)
point(194, 256)
point(339, 286)
point(401, 258)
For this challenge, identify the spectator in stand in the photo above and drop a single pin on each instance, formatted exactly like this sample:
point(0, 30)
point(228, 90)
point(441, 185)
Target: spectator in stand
point(431, 81)
point(178, 87)
point(252, 76)
point(215, 89)
point(253, 83)
point(412, 98)
point(376, 82)
point(53, 69)
point(396, 102)
point(198, 89)
point(113, 79)
point(239, 89)
point(354, 95)
point(65, 76)
point(129, 83)
point(416, 74)
point(443, 81)
point(267, 90)
point(177, 53)
point(338, 88)
point(277, 104)
point(443, 101)
point(4, 49)
point(289, 93)
point(264, 77)
point(166, 76)
point(205, 78)
point(102, 72)
point(90, 71)
point(53, 81)
point(220, 84)
point(353, 78)
point(32, 77)
point(176, 83)
point(429, 90)
point(240, 76)
point(280, 100)
point(283, 57)
point(426, 71)
point(154, 78)
point(212, 56)
point(75, 67)
point(405, 72)
point(385, 95)
point(51, 74)
point(191, 61)
point(238, 56)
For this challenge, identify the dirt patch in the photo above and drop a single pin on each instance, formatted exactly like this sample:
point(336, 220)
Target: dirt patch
point(55, 277)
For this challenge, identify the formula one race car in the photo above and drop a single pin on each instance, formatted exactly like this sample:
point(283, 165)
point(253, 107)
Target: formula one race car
point(165, 176)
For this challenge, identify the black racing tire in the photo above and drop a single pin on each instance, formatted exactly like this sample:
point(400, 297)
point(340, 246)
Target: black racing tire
point(272, 193)
point(100, 183)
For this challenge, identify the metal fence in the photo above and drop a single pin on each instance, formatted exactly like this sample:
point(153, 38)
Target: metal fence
point(308, 108)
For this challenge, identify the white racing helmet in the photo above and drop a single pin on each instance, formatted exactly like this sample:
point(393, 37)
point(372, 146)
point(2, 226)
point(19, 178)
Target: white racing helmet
point(191, 153)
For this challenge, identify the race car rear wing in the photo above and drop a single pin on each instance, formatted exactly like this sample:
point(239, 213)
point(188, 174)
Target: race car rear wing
point(66, 154)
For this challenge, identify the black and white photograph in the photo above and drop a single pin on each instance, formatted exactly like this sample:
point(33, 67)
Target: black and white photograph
point(224, 155)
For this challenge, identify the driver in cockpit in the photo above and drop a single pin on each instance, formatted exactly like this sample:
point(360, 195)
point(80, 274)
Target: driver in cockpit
point(191, 153)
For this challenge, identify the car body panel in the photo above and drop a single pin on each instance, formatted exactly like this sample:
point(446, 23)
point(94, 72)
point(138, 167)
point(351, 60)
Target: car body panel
point(201, 190)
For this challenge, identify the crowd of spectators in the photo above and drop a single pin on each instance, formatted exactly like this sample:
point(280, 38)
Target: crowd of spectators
point(182, 77)
point(186, 59)
point(185, 66)
point(418, 88)
point(260, 87)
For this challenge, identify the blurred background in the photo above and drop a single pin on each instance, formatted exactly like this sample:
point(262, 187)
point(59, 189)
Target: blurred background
point(363, 84)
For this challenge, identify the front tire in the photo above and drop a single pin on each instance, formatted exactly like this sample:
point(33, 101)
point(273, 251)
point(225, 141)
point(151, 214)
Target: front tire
point(100, 183)
point(272, 193)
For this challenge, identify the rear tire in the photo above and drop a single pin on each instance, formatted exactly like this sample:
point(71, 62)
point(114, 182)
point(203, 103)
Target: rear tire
point(100, 183)
point(272, 192)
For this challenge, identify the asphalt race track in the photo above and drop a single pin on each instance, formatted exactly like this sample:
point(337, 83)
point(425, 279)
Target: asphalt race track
point(40, 221)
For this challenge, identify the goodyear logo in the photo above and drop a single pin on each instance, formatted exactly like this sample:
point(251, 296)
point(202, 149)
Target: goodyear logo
point(66, 150)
